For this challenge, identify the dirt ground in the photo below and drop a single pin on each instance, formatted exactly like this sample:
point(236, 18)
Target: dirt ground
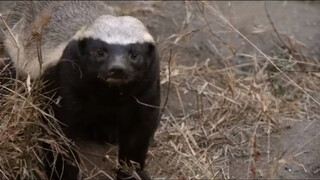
point(285, 147)
point(296, 141)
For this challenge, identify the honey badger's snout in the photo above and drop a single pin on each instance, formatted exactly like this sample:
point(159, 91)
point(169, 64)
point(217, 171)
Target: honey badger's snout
point(114, 71)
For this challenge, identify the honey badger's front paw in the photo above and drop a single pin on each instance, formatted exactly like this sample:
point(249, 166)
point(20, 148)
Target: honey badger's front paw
point(143, 174)
point(136, 175)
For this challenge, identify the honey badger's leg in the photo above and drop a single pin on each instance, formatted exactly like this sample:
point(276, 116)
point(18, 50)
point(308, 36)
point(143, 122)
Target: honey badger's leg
point(134, 137)
point(61, 167)
point(134, 141)
point(58, 165)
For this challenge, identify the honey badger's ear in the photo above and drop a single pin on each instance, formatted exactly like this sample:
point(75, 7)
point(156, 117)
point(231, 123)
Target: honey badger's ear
point(71, 52)
point(82, 46)
point(150, 48)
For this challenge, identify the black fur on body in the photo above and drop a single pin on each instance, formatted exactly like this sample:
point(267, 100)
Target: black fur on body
point(105, 89)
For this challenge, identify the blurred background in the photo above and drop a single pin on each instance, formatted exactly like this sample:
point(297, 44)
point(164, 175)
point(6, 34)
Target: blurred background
point(240, 84)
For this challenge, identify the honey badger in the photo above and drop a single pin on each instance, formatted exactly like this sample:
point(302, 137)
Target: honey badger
point(104, 67)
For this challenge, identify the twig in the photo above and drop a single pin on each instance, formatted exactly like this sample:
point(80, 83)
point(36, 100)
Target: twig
point(305, 144)
point(264, 55)
point(231, 48)
point(10, 32)
point(169, 83)
point(253, 152)
point(274, 27)
point(16, 44)
point(146, 104)
point(38, 32)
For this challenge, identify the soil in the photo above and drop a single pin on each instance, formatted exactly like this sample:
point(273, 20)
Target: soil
point(296, 141)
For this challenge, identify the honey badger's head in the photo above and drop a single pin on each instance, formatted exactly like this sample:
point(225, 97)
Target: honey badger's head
point(115, 63)
point(116, 50)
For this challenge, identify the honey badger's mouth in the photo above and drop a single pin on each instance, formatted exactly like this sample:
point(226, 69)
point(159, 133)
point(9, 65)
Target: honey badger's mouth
point(113, 80)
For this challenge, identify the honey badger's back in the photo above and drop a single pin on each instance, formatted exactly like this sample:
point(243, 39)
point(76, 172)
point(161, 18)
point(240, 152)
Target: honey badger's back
point(60, 20)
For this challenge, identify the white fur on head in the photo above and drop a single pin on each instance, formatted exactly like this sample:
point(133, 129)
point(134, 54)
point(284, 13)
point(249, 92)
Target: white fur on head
point(116, 30)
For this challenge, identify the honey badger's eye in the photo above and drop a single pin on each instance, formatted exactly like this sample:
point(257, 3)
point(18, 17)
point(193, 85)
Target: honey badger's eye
point(133, 55)
point(100, 53)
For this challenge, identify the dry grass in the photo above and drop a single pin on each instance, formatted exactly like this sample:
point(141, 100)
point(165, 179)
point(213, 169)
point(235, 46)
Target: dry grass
point(28, 129)
point(25, 127)
point(217, 111)
point(224, 108)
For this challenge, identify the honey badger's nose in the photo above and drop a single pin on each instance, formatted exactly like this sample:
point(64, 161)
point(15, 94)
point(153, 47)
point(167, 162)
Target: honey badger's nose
point(116, 71)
